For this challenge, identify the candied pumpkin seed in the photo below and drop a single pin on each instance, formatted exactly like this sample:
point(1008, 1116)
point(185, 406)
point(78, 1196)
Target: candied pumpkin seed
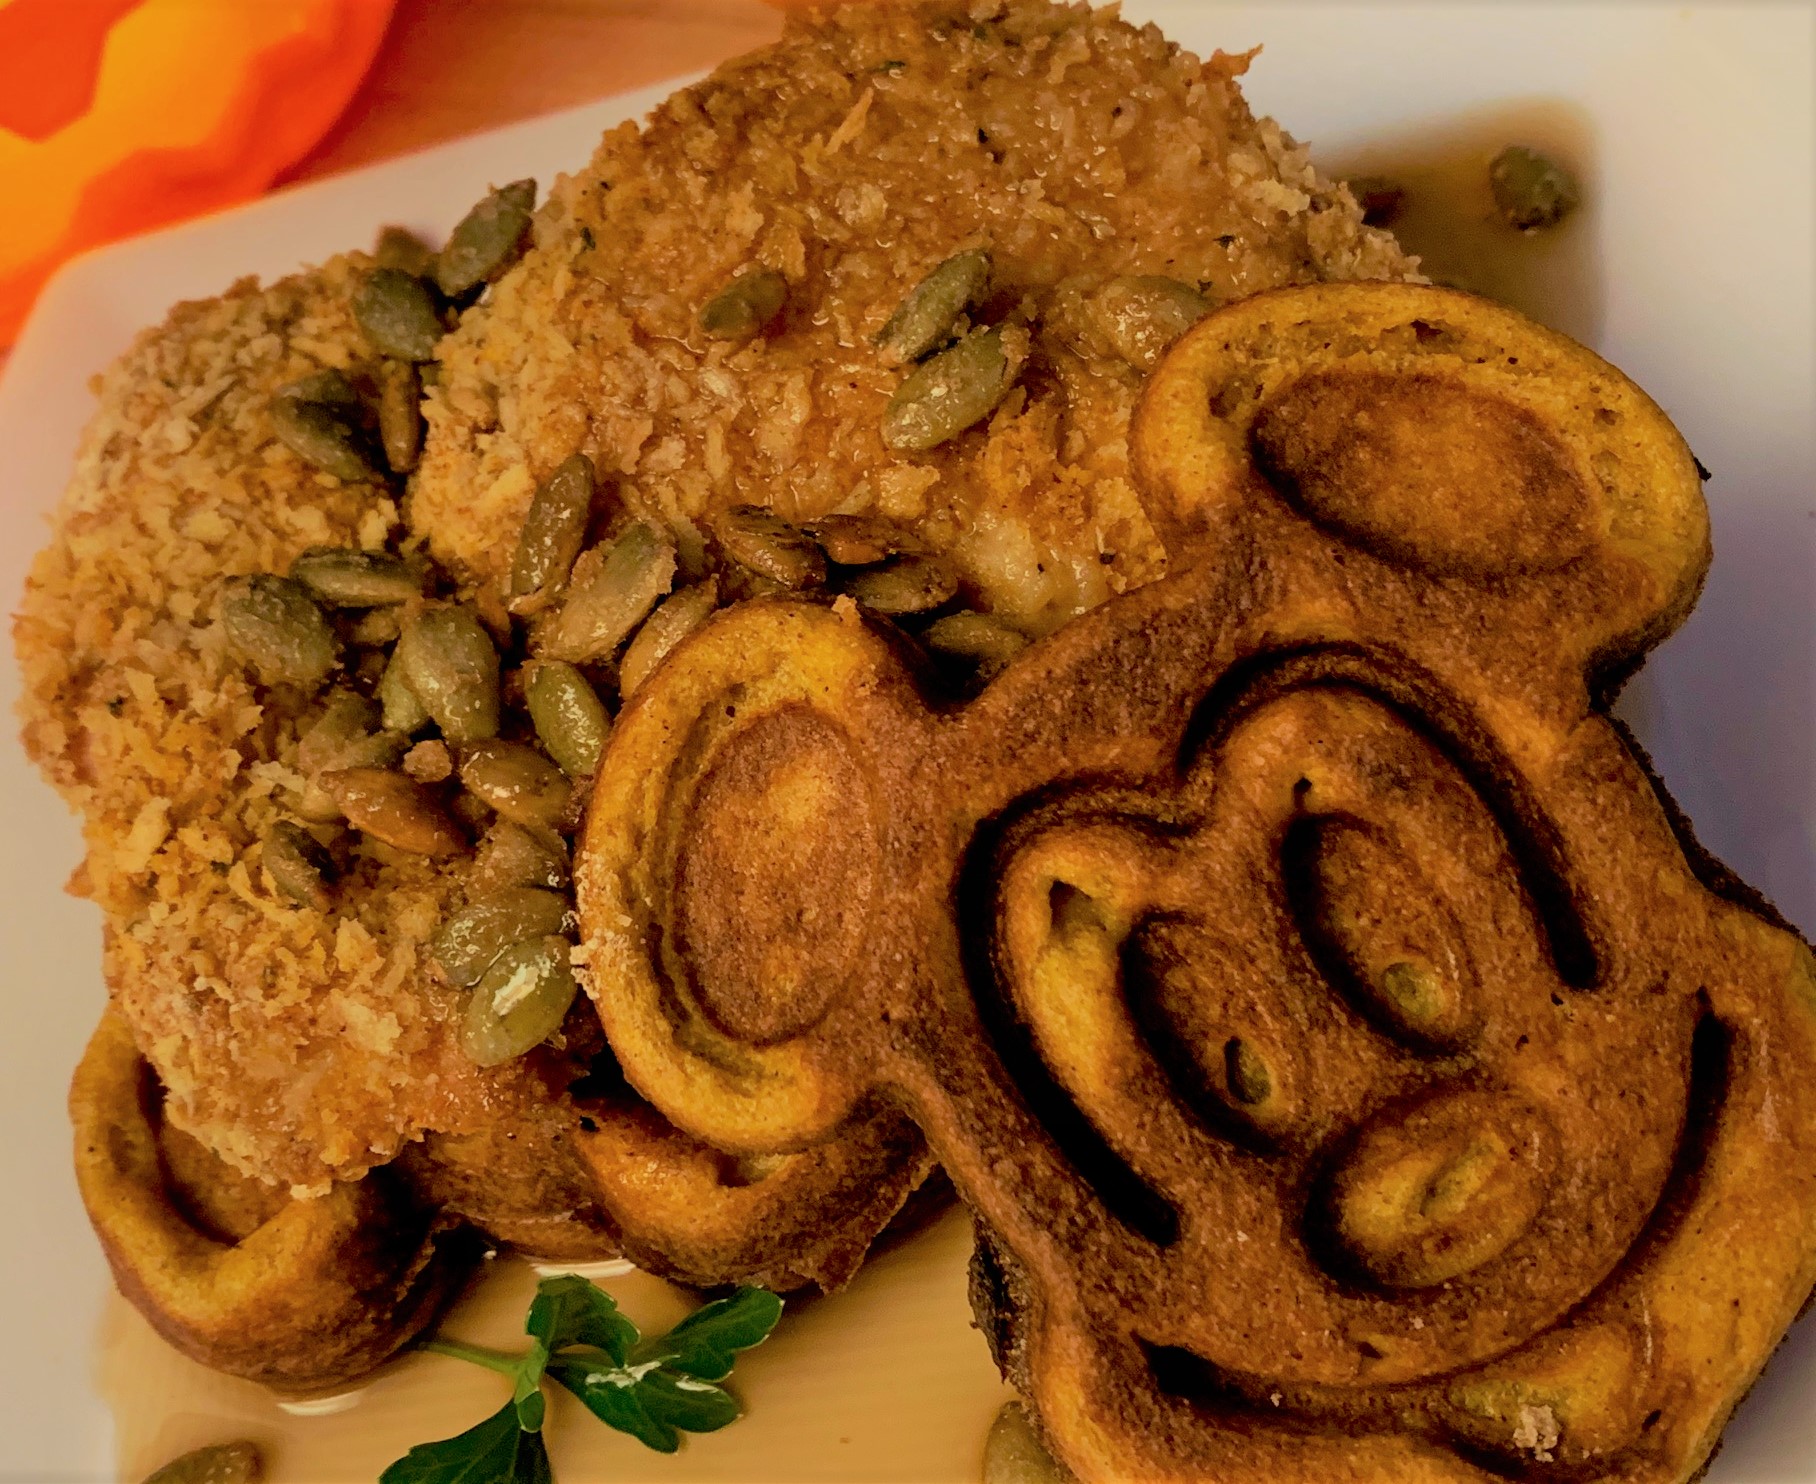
point(512, 854)
point(925, 319)
point(275, 626)
point(859, 540)
point(770, 546)
point(400, 415)
point(400, 248)
point(554, 528)
point(403, 709)
point(678, 617)
point(907, 584)
point(346, 717)
point(1531, 190)
point(318, 420)
point(516, 780)
point(449, 661)
point(1143, 316)
point(520, 1002)
point(395, 809)
point(299, 866)
point(399, 315)
point(345, 577)
point(469, 941)
point(487, 240)
point(943, 396)
point(611, 592)
point(745, 306)
point(988, 642)
point(1014, 1453)
point(569, 717)
point(217, 1463)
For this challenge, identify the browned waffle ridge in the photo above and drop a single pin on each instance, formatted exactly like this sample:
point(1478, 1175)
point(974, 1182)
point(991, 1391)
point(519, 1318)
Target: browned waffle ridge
point(1292, 965)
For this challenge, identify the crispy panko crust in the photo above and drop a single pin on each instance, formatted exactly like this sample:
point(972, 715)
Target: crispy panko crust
point(864, 149)
point(1357, 1073)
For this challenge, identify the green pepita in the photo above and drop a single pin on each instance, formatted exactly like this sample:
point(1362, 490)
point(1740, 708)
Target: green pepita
point(299, 865)
point(943, 396)
point(218, 1463)
point(275, 625)
point(395, 809)
point(1141, 317)
point(399, 315)
point(318, 420)
point(745, 306)
point(925, 319)
point(449, 661)
point(903, 585)
point(345, 577)
point(554, 528)
point(678, 617)
point(400, 414)
point(512, 854)
point(403, 709)
point(1531, 191)
point(769, 546)
point(611, 592)
point(517, 781)
point(987, 642)
point(859, 540)
point(520, 1002)
point(569, 717)
point(470, 940)
point(488, 239)
point(402, 249)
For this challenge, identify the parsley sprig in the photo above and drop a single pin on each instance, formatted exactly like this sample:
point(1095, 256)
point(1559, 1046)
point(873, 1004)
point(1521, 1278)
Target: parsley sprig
point(654, 1389)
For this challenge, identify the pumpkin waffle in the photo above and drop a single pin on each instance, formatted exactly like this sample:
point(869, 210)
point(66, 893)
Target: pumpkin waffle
point(1355, 1069)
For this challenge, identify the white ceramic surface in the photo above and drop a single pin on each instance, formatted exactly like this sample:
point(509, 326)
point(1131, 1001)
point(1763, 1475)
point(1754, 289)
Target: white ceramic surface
point(1702, 166)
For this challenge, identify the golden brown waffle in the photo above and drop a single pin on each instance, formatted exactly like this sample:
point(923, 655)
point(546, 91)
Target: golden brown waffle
point(1356, 1070)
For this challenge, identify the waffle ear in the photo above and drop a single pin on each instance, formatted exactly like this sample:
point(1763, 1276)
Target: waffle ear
point(1437, 433)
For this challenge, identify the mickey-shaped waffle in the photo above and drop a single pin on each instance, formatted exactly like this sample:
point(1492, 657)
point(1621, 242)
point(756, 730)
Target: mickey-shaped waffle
point(1356, 1070)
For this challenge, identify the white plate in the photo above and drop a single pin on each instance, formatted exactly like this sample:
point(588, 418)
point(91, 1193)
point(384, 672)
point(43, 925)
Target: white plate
point(1702, 178)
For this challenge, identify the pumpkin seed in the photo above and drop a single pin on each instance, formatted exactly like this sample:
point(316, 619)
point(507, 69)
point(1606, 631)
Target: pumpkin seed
point(317, 419)
point(554, 529)
point(512, 854)
point(218, 1463)
point(488, 239)
point(678, 617)
point(978, 637)
point(1381, 199)
point(1014, 1453)
point(448, 660)
point(397, 810)
point(1142, 317)
point(274, 625)
point(343, 577)
point(375, 628)
point(517, 781)
point(403, 709)
point(859, 540)
point(925, 319)
point(745, 306)
point(1247, 1073)
point(906, 584)
point(402, 249)
point(943, 396)
point(399, 314)
point(469, 941)
point(400, 414)
point(770, 546)
point(378, 750)
point(1531, 191)
point(346, 717)
point(569, 718)
point(520, 1003)
point(299, 866)
point(611, 593)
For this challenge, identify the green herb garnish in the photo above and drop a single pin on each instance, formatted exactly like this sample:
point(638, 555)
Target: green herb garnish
point(654, 1389)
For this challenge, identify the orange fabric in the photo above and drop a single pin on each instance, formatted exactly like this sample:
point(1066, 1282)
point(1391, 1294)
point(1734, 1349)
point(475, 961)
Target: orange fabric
point(122, 115)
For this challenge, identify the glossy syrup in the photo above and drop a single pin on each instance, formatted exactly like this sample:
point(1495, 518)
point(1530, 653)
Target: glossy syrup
point(885, 1381)
point(1448, 216)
